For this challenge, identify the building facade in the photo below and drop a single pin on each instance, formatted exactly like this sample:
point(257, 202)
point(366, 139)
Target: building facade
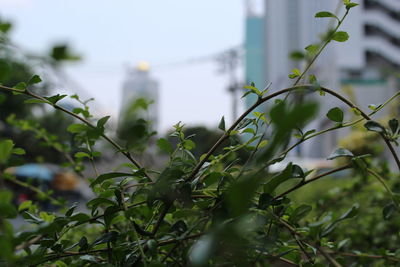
point(366, 65)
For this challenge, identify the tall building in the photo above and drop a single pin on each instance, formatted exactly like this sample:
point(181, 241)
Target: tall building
point(370, 59)
point(140, 88)
point(367, 62)
point(254, 46)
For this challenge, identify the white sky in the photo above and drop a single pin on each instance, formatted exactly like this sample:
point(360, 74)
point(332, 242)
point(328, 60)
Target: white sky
point(113, 34)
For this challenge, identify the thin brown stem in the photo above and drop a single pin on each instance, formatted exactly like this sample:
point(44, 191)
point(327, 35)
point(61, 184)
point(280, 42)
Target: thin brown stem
point(88, 123)
point(161, 217)
point(303, 183)
point(283, 91)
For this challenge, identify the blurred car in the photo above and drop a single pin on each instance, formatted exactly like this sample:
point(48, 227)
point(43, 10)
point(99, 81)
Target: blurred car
point(45, 178)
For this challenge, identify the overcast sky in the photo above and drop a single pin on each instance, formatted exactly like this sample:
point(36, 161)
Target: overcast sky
point(113, 34)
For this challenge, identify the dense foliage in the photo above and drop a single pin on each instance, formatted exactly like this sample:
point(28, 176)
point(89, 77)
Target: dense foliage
point(222, 208)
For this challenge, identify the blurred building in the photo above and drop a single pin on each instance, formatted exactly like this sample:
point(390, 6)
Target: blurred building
point(140, 96)
point(367, 63)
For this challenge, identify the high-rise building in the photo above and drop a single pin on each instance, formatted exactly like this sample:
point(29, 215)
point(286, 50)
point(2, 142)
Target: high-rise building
point(138, 90)
point(367, 62)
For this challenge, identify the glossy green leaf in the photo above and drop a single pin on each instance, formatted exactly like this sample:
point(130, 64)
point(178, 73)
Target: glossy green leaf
point(374, 126)
point(335, 114)
point(394, 125)
point(340, 152)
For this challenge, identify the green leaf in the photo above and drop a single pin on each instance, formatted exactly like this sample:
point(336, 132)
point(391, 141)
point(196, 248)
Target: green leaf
point(105, 238)
point(25, 205)
point(34, 80)
point(313, 79)
point(340, 36)
point(326, 14)
point(299, 213)
point(77, 128)
point(335, 114)
point(55, 98)
point(253, 89)
point(60, 264)
point(297, 171)
point(70, 210)
point(80, 217)
point(107, 176)
point(350, 213)
point(309, 133)
point(110, 213)
point(165, 145)
point(295, 73)
point(394, 125)
point(312, 49)
point(375, 127)
point(244, 123)
point(188, 144)
point(7, 209)
point(278, 179)
point(101, 122)
point(82, 155)
point(296, 55)
point(5, 27)
point(29, 217)
point(99, 201)
point(221, 124)
point(83, 243)
point(350, 5)
point(263, 143)
point(340, 152)
point(35, 101)
point(6, 148)
point(18, 151)
point(347, 215)
point(20, 86)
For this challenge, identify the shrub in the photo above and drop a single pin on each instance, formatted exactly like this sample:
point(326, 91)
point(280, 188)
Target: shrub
point(213, 210)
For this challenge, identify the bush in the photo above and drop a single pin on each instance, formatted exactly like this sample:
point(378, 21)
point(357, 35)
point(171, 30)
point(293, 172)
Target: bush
point(214, 209)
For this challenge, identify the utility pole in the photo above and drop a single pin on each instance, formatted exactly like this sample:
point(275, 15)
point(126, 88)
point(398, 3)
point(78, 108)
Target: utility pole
point(229, 63)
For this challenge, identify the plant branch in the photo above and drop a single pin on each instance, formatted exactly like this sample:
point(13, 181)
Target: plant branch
point(266, 98)
point(303, 183)
point(88, 123)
